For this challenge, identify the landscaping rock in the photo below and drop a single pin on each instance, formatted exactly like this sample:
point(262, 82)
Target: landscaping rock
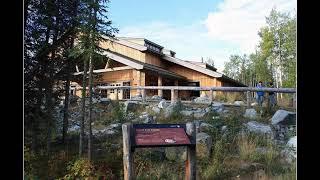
point(290, 152)
point(131, 106)
point(162, 104)
point(283, 117)
point(203, 99)
point(137, 97)
point(168, 110)
point(156, 110)
point(224, 129)
point(147, 118)
point(239, 103)
point(205, 127)
point(259, 128)
point(204, 144)
point(156, 97)
point(250, 113)
point(217, 107)
point(186, 112)
point(199, 114)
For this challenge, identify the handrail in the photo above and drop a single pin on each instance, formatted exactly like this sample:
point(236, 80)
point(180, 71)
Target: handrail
point(189, 88)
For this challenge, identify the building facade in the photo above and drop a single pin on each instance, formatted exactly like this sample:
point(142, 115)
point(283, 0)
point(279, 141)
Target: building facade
point(140, 62)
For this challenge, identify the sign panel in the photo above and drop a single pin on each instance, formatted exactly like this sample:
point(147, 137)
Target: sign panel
point(147, 135)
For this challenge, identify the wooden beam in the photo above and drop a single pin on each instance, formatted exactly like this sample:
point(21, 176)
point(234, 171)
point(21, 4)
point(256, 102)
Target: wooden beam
point(122, 60)
point(107, 70)
point(127, 154)
point(191, 152)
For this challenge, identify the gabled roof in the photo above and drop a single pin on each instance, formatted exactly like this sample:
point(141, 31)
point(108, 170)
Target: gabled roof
point(192, 66)
point(127, 43)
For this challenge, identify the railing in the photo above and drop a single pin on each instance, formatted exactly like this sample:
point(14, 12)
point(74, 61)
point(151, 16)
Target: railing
point(211, 89)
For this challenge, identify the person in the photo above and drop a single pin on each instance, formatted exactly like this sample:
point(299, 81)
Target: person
point(260, 94)
point(272, 98)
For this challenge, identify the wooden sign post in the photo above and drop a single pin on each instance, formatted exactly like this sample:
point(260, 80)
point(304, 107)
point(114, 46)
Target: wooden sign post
point(158, 135)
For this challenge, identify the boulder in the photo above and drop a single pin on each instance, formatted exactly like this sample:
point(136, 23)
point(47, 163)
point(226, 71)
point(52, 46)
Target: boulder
point(290, 152)
point(203, 99)
point(156, 97)
point(147, 118)
point(259, 128)
point(250, 113)
point(186, 112)
point(156, 110)
point(199, 114)
point(137, 97)
point(178, 154)
point(168, 110)
point(205, 127)
point(239, 103)
point(283, 117)
point(204, 144)
point(162, 104)
point(224, 129)
point(292, 143)
point(217, 107)
point(131, 106)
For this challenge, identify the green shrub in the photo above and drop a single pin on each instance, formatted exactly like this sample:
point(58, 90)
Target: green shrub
point(81, 168)
point(117, 111)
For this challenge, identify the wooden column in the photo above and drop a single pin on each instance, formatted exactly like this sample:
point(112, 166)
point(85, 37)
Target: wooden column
point(191, 152)
point(160, 91)
point(127, 154)
point(248, 99)
point(176, 92)
point(172, 96)
point(211, 95)
point(143, 93)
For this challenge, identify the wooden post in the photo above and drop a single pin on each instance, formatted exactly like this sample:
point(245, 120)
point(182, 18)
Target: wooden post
point(160, 91)
point(294, 100)
point(127, 154)
point(117, 96)
point(248, 99)
point(211, 95)
point(172, 96)
point(143, 95)
point(191, 153)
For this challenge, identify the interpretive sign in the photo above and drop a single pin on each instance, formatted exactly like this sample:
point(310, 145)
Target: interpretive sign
point(154, 135)
point(158, 135)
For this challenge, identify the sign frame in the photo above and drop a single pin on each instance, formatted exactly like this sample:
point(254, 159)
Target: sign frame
point(129, 147)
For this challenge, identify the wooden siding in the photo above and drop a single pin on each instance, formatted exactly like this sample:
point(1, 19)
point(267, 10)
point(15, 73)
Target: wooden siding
point(154, 60)
point(122, 49)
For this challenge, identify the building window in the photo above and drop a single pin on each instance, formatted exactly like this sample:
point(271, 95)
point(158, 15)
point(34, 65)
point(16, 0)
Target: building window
point(112, 90)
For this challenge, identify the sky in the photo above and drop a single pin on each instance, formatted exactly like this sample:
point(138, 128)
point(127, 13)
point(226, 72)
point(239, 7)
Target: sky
point(194, 29)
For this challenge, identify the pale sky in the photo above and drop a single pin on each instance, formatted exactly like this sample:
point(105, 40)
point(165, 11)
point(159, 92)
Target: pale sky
point(195, 29)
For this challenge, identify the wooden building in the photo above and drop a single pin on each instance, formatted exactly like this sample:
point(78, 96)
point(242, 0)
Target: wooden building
point(140, 62)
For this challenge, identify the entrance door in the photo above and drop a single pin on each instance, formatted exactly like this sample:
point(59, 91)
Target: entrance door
point(113, 93)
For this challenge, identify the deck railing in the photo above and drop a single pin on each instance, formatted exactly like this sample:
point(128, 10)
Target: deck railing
point(174, 89)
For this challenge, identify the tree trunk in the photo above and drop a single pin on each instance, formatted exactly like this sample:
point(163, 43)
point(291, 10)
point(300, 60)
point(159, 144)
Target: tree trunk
point(90, 107)
point(66, 107)
point(83, 110)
